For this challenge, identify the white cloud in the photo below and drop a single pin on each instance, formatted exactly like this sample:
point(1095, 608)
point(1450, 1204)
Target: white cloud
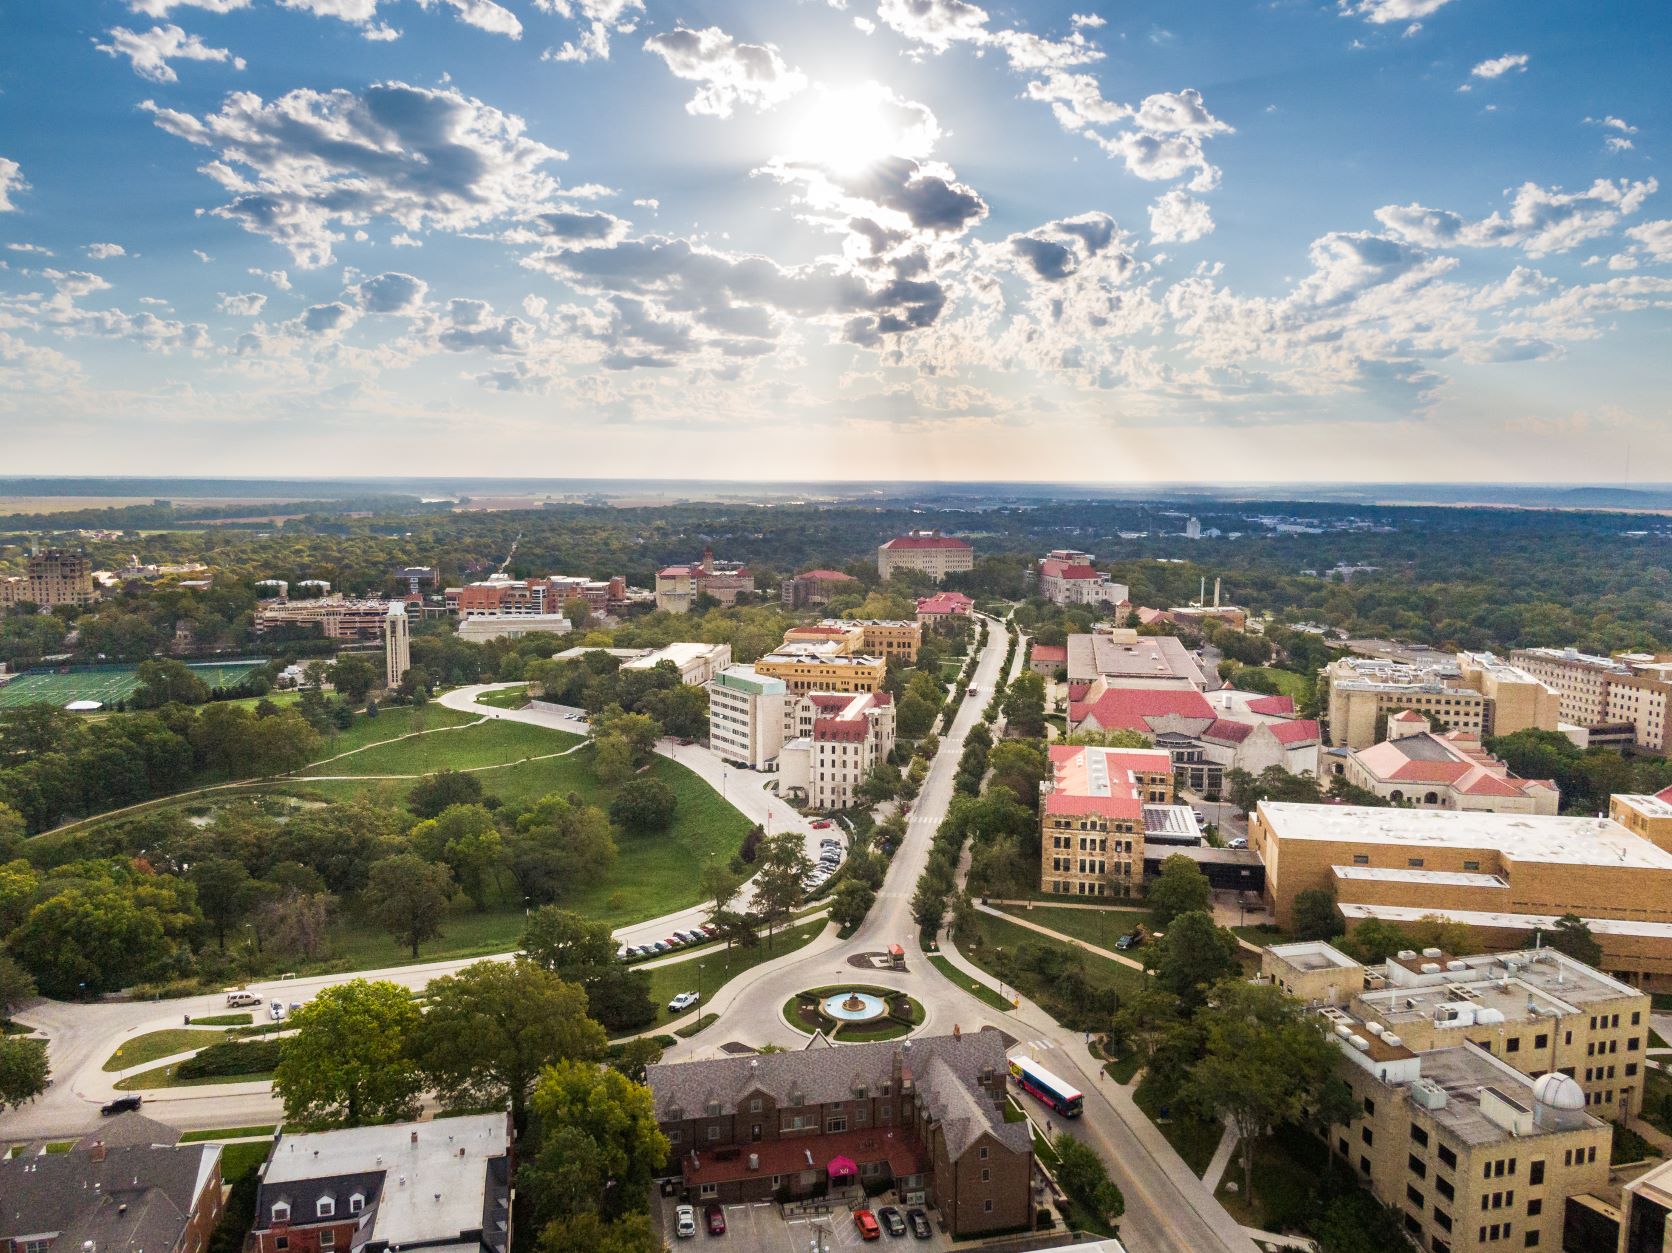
point(309, 162)
point(1612, 123)
point(1178, 218)
point(650, 203)
point(1087, 19)
point(11, 182)
point(600, 18)
point(202, 256)
point(1541, 220)
point(391, 292)
point(937, 24)
point(1382, 12)
point(103, 252)
point(1653, 239)
point(380, 33)
point(150, 52)
point(1497, 67)
point(731, 73)
point(160, 8)
point(486, 15)
point(36, 249)
point(1617, 143)
point(331, 318)
point(278, 278)
point(241, 304)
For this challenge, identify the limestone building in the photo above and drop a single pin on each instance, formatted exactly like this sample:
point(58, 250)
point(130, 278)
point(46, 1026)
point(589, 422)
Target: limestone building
point(397, 644)
point(50, 578)
point(822, 667)
point(1474, 693)
point(1091, 818)
point(1416, 766)
point(928, 552)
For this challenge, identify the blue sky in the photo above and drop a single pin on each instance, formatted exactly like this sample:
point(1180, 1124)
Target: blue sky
point(1312, 239)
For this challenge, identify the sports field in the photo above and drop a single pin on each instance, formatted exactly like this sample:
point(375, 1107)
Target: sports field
point(108, 684)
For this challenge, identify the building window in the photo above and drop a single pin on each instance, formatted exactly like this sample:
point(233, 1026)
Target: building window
point(1531, 1239)
point(1541, 1040)
point(1361, 859)
point(710, 1189)
point(755, 1105)
point(1448, 1158)
point(1413, 1196)
point(328, 1239)
point(1419, 1136)
point(982, 1155)
point(327, 1207)
point(356, 1203)
point(1535, 1207)
point(1419, 1168)
point(986, 1207)
point(1444, 1188)
point(1366, 1136)
point(281, 1211)
point(986, 1175)
point(837, 1122)
point(282, 1243)
point(714, 1132)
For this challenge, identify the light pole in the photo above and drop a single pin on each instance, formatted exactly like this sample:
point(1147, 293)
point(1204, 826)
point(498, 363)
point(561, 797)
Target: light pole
point(699, 991)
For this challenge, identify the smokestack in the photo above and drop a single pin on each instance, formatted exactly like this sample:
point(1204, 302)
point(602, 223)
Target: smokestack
point(1216, 593)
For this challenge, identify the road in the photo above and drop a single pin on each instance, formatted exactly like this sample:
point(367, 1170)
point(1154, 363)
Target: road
point(1168, 1209)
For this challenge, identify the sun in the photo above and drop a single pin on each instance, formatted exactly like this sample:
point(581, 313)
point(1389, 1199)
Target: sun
point(849, 129)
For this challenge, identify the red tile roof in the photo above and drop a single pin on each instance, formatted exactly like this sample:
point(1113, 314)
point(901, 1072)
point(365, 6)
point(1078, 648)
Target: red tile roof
point(1227, 732)
point(1276, 706)
point(1050, 652)
point(1664, 794)
point(828, 576)
point(1300, 731)
point(1132, 708)
point(945, 602)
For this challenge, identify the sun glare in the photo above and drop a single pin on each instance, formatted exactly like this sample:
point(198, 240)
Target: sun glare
point(848, 129)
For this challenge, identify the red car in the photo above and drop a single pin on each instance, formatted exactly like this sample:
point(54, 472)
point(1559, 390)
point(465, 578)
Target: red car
point(715, 1217)
point(866, 1221)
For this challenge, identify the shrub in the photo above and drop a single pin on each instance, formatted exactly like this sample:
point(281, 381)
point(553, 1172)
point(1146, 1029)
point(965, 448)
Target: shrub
point(249, 1057)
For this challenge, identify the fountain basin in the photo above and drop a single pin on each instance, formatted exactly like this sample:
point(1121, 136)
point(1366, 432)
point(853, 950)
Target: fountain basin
point(854, 1007)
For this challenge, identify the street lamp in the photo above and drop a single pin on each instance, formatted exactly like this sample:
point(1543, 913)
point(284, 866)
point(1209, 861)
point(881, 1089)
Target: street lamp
point(998, 961)
point(699, 991)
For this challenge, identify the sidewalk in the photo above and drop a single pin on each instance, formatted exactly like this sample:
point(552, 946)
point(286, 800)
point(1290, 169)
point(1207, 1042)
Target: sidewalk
point(1221, 1157)
point(1108, 954)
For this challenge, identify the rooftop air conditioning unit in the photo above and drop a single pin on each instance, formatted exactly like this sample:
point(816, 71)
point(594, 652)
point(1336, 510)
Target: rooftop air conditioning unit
point(1430, 952)
point(1430, 968)
point(1391, 1040)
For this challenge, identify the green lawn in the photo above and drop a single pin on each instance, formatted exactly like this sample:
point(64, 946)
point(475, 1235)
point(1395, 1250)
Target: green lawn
point(720, 967)
point(154, 1044)
point(238, 1160)
point(1194, 1139)
point(1298, 686)
point(701, 1024)
point(224, 1020)
point(980, 991)
point(393, 721)
point(1657, 1099)
point(164, 1077)
point(228, 1133)
point(486, 744)
point(1101, 927)
point(995, 934)
point(505, 697)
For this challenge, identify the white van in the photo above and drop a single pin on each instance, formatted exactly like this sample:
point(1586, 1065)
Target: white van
point(241, 998)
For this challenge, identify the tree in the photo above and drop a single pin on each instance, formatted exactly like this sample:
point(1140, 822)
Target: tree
point(489, 1030)
point(442, 790)
point(596, 1116)
point(1571, 935)
point(579, 613)
point(558, 844)
point(928, 903)
point(581, 951)
point(1192, 956)
point(718, 883)
point(850, 903)
point(631, 1233)
point(90, 938)
point(408, 896)
point(166, 680)
point(224, 893)
point(1083, 1176)
point(466, 839)
point(350, 1062)
point(612, 759)
point(16, 986)
point(644, 805)
point(1315, 915)
point(296, 923)
point(1180, 888)
point(1266, 1062)
point(1024, 704)
point(781, 871)
point(914, 716)
point(23, 1070)
point(353, 676)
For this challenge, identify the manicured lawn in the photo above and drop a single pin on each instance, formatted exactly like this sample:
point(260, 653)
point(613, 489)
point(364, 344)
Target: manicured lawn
point(228, 1133)
point(393, 721)
point(1101, 927)
point(238, 1160)
point(1288, 1167)
point(224, 1020)
point(702, 1023)
point(485, 744)
point(1194, 1139)
point(720, 967)
point(996, 933)
point(505, 698)
point(1264, 934)
point(980, 991)
point(163, 1077)
point(154, 1044)
point(1298, 686)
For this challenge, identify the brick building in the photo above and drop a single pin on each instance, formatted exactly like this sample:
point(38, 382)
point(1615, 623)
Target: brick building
point(837, 739)
point(1091, 818)
point(927, 552)
point(944, 610)
point(923, 1116)
point(48, 579)
point(816, 587)
point(126, 1199)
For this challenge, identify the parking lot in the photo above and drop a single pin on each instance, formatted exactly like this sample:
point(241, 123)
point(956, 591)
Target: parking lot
point(759, 1227)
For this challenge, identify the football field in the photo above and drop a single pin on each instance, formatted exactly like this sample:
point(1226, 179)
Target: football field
point(107, 684)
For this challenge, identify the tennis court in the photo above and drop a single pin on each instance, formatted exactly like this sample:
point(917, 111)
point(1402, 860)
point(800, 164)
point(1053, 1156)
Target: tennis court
point(109, 684)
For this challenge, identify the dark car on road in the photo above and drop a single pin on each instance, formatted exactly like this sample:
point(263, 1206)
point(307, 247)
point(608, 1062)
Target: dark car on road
point(120, 1105)
point(919, 1223)
point(891, 1221)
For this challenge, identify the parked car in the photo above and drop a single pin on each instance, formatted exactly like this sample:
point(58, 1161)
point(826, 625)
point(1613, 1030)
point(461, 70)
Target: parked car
point(685, 1222)
point(673, 941)
point(682, 1002)
point(866, 1221)
point(660, 946)
point(120, 1105)
point(276, 1010)
point(1200, 816)
point(919, 1223)
point(823, 824)
point(240, 998)
point(1130, 940)
point(716, 1219)
point(827, 842)
point(1239, 842)
point(709, 929)
point(891, 1221)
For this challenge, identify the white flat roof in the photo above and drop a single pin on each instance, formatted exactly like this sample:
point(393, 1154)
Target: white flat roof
point(1498, 918)
point(1435, 878)
point(1526, 837)
point(680, 654)
point(427, 1188)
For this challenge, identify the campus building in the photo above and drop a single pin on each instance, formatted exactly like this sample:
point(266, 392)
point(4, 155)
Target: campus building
point(1474, 693)
point(336, 617)
point(1120, 657)
point(1536, 1009)
point(501, 595)
point(1472, 1155)
point(1091, 818)
point(927, 552)
point(1649, 816)
point(1416, 766)
point(872, 637)
point(49, 579)
point(118, 1199)
point(944, 610)
point(838, 739)
point(924, 1116)
point(479, 628)
point(816, 587)
point(1646, 1212)
point(1066, 577)
point(1503, 875)
point(1619, 699)
point(678, 586)
point(822, 667)
point(444, 1183)
point(697, 663)
point(397, 644)
point(748, 716)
